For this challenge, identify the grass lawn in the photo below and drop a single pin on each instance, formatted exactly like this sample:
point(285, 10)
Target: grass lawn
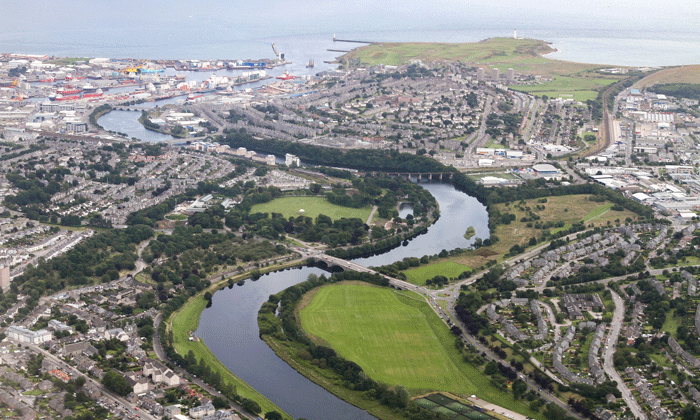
point(449, 269)
point(568, 209)
point(393, 341)
point(312, 206)
point(671, 324)
point(396, 339)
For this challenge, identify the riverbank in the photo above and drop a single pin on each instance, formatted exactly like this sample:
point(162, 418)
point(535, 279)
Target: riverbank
point(185, 321)
point(142, 120)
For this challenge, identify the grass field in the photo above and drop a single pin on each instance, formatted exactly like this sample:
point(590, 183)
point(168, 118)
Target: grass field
point(568, 209)
point(577, 88)
point(397, 339)
point(682, 74)
point(671, 324)
point(448, 269)
point(313, 206)
point(392, 341)
point(522, 55)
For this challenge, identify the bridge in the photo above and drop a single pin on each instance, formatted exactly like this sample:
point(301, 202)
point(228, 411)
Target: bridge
point(428, 175)
point(349, 265)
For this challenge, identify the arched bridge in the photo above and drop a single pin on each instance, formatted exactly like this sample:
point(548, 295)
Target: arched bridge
point(427, 175)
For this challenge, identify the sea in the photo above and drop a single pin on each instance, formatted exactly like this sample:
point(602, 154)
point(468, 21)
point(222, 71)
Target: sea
point(640, 33)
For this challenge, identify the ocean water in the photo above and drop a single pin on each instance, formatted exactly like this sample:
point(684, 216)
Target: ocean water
point(642, 33)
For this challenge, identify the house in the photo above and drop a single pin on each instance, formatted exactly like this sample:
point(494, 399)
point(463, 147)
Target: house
point(201, 411)
point(160, 373)
point(82, 347)
point(117, 333)
point(138, 382)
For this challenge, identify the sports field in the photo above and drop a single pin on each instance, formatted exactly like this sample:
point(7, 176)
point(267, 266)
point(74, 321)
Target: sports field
point(312, 206)
point(577, 88)
point(388, 336)
point(448, 269)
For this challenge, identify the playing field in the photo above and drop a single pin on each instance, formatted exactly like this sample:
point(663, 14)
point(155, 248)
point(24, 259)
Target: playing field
point(448, 269)
point(389, 336)
point(312, 206)
point(577, 88)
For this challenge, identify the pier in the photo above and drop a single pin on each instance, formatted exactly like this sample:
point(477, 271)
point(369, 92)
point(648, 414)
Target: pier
point(342, 51)
point(354, 41)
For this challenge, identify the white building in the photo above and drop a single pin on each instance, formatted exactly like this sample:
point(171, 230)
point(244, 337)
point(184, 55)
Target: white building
point(290, 159)
point(26, 335)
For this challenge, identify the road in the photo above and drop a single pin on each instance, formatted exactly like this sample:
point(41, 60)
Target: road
point(73, 372)
point(608, 353)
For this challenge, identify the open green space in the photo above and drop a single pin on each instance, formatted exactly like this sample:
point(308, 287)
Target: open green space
point(522, 55)
point(574, 87)
point(671, 323)
point(494, 49)
point(312, 206)
point(597, 212)
point(396, 339)
point(391, 340)
point(567, 209)
point(448, 269)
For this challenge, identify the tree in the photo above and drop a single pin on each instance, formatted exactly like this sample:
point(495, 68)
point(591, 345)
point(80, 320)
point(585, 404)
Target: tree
point(273, 415)
point(251, 406)
point(116, 383)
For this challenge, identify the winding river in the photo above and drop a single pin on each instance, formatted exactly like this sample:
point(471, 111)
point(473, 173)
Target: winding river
point(230, 327)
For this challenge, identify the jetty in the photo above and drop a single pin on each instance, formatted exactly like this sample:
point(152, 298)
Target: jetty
point(351, 40)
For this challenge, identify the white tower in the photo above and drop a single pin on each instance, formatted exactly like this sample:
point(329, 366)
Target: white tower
point(515, 34)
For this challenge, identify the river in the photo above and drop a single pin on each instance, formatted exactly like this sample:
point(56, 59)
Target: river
point(230, 327)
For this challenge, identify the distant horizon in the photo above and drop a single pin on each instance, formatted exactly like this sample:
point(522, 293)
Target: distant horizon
point(640, 34)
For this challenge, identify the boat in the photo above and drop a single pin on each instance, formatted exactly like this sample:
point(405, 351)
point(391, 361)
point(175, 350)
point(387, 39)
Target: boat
point(286, 76)
point(70, 93)
point(311, 64)
point(68, 90)
point(193, 96)
point(90, 91)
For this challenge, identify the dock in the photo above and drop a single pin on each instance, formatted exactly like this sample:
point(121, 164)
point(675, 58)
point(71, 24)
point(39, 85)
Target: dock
point(342, 51)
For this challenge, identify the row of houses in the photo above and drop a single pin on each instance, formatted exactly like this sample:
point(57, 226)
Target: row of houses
point(593, 362)
point(557, 358)
point(657, 286)
point(692, 391)
point(648, 397)
point(541, 325)
point(692, 283)
point(678, 350)
point(508, 325)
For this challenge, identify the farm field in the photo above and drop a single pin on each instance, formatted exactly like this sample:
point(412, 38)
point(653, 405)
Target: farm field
point(568, 209)
point(681, 74)
point(396, 339)
point(419, 275)
point(313, 206)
